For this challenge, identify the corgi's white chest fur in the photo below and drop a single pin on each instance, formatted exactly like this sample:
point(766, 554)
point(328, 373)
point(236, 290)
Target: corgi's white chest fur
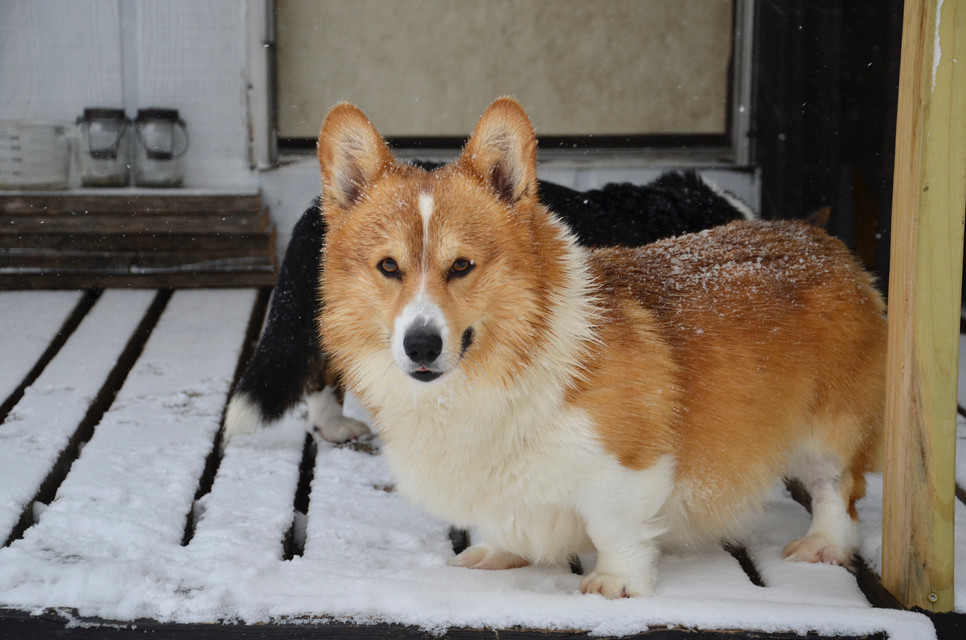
point(512, 485)
point(521, 471)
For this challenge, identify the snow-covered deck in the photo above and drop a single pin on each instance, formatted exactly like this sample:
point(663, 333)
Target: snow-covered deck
point(117, 507)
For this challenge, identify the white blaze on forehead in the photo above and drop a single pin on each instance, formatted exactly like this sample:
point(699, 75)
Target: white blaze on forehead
point(425, 212)
point(425, 208)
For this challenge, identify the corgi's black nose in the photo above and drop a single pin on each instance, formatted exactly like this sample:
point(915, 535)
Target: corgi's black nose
point(423, 345)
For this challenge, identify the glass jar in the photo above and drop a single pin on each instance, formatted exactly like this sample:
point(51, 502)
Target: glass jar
point(162, 140)
point(105, 148)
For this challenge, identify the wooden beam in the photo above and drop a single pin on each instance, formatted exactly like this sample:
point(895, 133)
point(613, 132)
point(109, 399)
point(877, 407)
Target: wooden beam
point(929, 200)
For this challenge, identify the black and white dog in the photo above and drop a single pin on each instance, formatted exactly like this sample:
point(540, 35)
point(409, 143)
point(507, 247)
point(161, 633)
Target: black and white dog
point(289, 361)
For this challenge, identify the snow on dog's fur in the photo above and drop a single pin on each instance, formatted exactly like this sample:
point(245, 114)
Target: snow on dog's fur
point(558, 399)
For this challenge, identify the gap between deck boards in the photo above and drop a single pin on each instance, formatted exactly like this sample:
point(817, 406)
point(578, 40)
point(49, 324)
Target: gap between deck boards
point(70, 325)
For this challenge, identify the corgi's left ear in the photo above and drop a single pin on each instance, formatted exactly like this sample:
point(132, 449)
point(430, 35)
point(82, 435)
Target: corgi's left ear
point(352, 155)
point(503, 152)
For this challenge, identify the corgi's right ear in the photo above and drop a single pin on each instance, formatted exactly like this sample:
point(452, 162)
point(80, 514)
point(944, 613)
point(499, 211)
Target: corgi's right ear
point(503, 152)
point(352, 155)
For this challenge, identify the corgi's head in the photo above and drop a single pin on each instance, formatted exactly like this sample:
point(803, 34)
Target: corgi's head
point(428, 273)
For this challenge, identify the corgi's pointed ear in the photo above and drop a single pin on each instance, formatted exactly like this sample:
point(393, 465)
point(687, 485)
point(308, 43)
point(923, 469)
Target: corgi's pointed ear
point(351, 155)
point(503, 151)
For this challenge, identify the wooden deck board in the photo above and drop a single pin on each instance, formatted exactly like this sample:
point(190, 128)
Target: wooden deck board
point(250, 507)
point(783, 521)
point(31, 319)
point(42, 423)
point(712, 573)
point(365, 508)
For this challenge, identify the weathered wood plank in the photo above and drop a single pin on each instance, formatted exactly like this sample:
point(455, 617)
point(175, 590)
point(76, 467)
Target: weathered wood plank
point(348, 497)
point(132, 261)
point(784, 520)
point(250, 507)
point(30, 322)
point(134, 222)
point(251, 276)
point(141, 238)
point(50, 244)
point(140, 202)
point(41, 424)
point(929, 199)
point(709, 573)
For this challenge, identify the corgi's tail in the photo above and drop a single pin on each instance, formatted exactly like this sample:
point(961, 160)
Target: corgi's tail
point(288, 355)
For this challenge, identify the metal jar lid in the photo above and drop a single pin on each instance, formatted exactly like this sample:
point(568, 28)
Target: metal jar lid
point(155, 113)
point(101, 113)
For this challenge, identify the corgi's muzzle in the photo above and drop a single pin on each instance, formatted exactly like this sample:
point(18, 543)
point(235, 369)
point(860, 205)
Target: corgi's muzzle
point(419, 342)
point(423, 345)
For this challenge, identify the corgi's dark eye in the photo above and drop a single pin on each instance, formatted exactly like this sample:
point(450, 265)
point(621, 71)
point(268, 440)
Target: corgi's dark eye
point(460, 267)
point(389, 268)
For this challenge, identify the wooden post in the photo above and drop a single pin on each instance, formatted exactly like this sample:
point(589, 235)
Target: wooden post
point(929, 200)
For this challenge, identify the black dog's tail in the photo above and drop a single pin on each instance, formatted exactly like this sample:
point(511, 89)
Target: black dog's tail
point(288, 355)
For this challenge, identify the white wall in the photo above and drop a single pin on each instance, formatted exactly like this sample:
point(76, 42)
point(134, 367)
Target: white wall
point(59, 56)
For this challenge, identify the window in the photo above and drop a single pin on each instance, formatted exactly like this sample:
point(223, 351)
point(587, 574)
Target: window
point(658, 77)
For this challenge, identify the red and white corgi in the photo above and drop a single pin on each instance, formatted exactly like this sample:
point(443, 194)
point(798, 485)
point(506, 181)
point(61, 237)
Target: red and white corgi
point(557, 399)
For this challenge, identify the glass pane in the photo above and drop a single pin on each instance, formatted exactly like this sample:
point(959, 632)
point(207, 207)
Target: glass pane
point(580, 67)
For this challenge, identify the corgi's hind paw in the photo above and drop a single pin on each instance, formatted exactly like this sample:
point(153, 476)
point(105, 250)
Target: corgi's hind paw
point(611, 586)
point(817, 549)
point(483, 557)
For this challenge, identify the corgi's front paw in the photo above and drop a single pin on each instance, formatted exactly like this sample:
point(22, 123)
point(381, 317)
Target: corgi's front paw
point(341, 429)
point(483, 557)
point(327, 420)
point(615, 586)
point(815, 548)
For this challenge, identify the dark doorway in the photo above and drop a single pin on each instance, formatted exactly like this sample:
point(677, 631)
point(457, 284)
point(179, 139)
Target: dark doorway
point(826, 85)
